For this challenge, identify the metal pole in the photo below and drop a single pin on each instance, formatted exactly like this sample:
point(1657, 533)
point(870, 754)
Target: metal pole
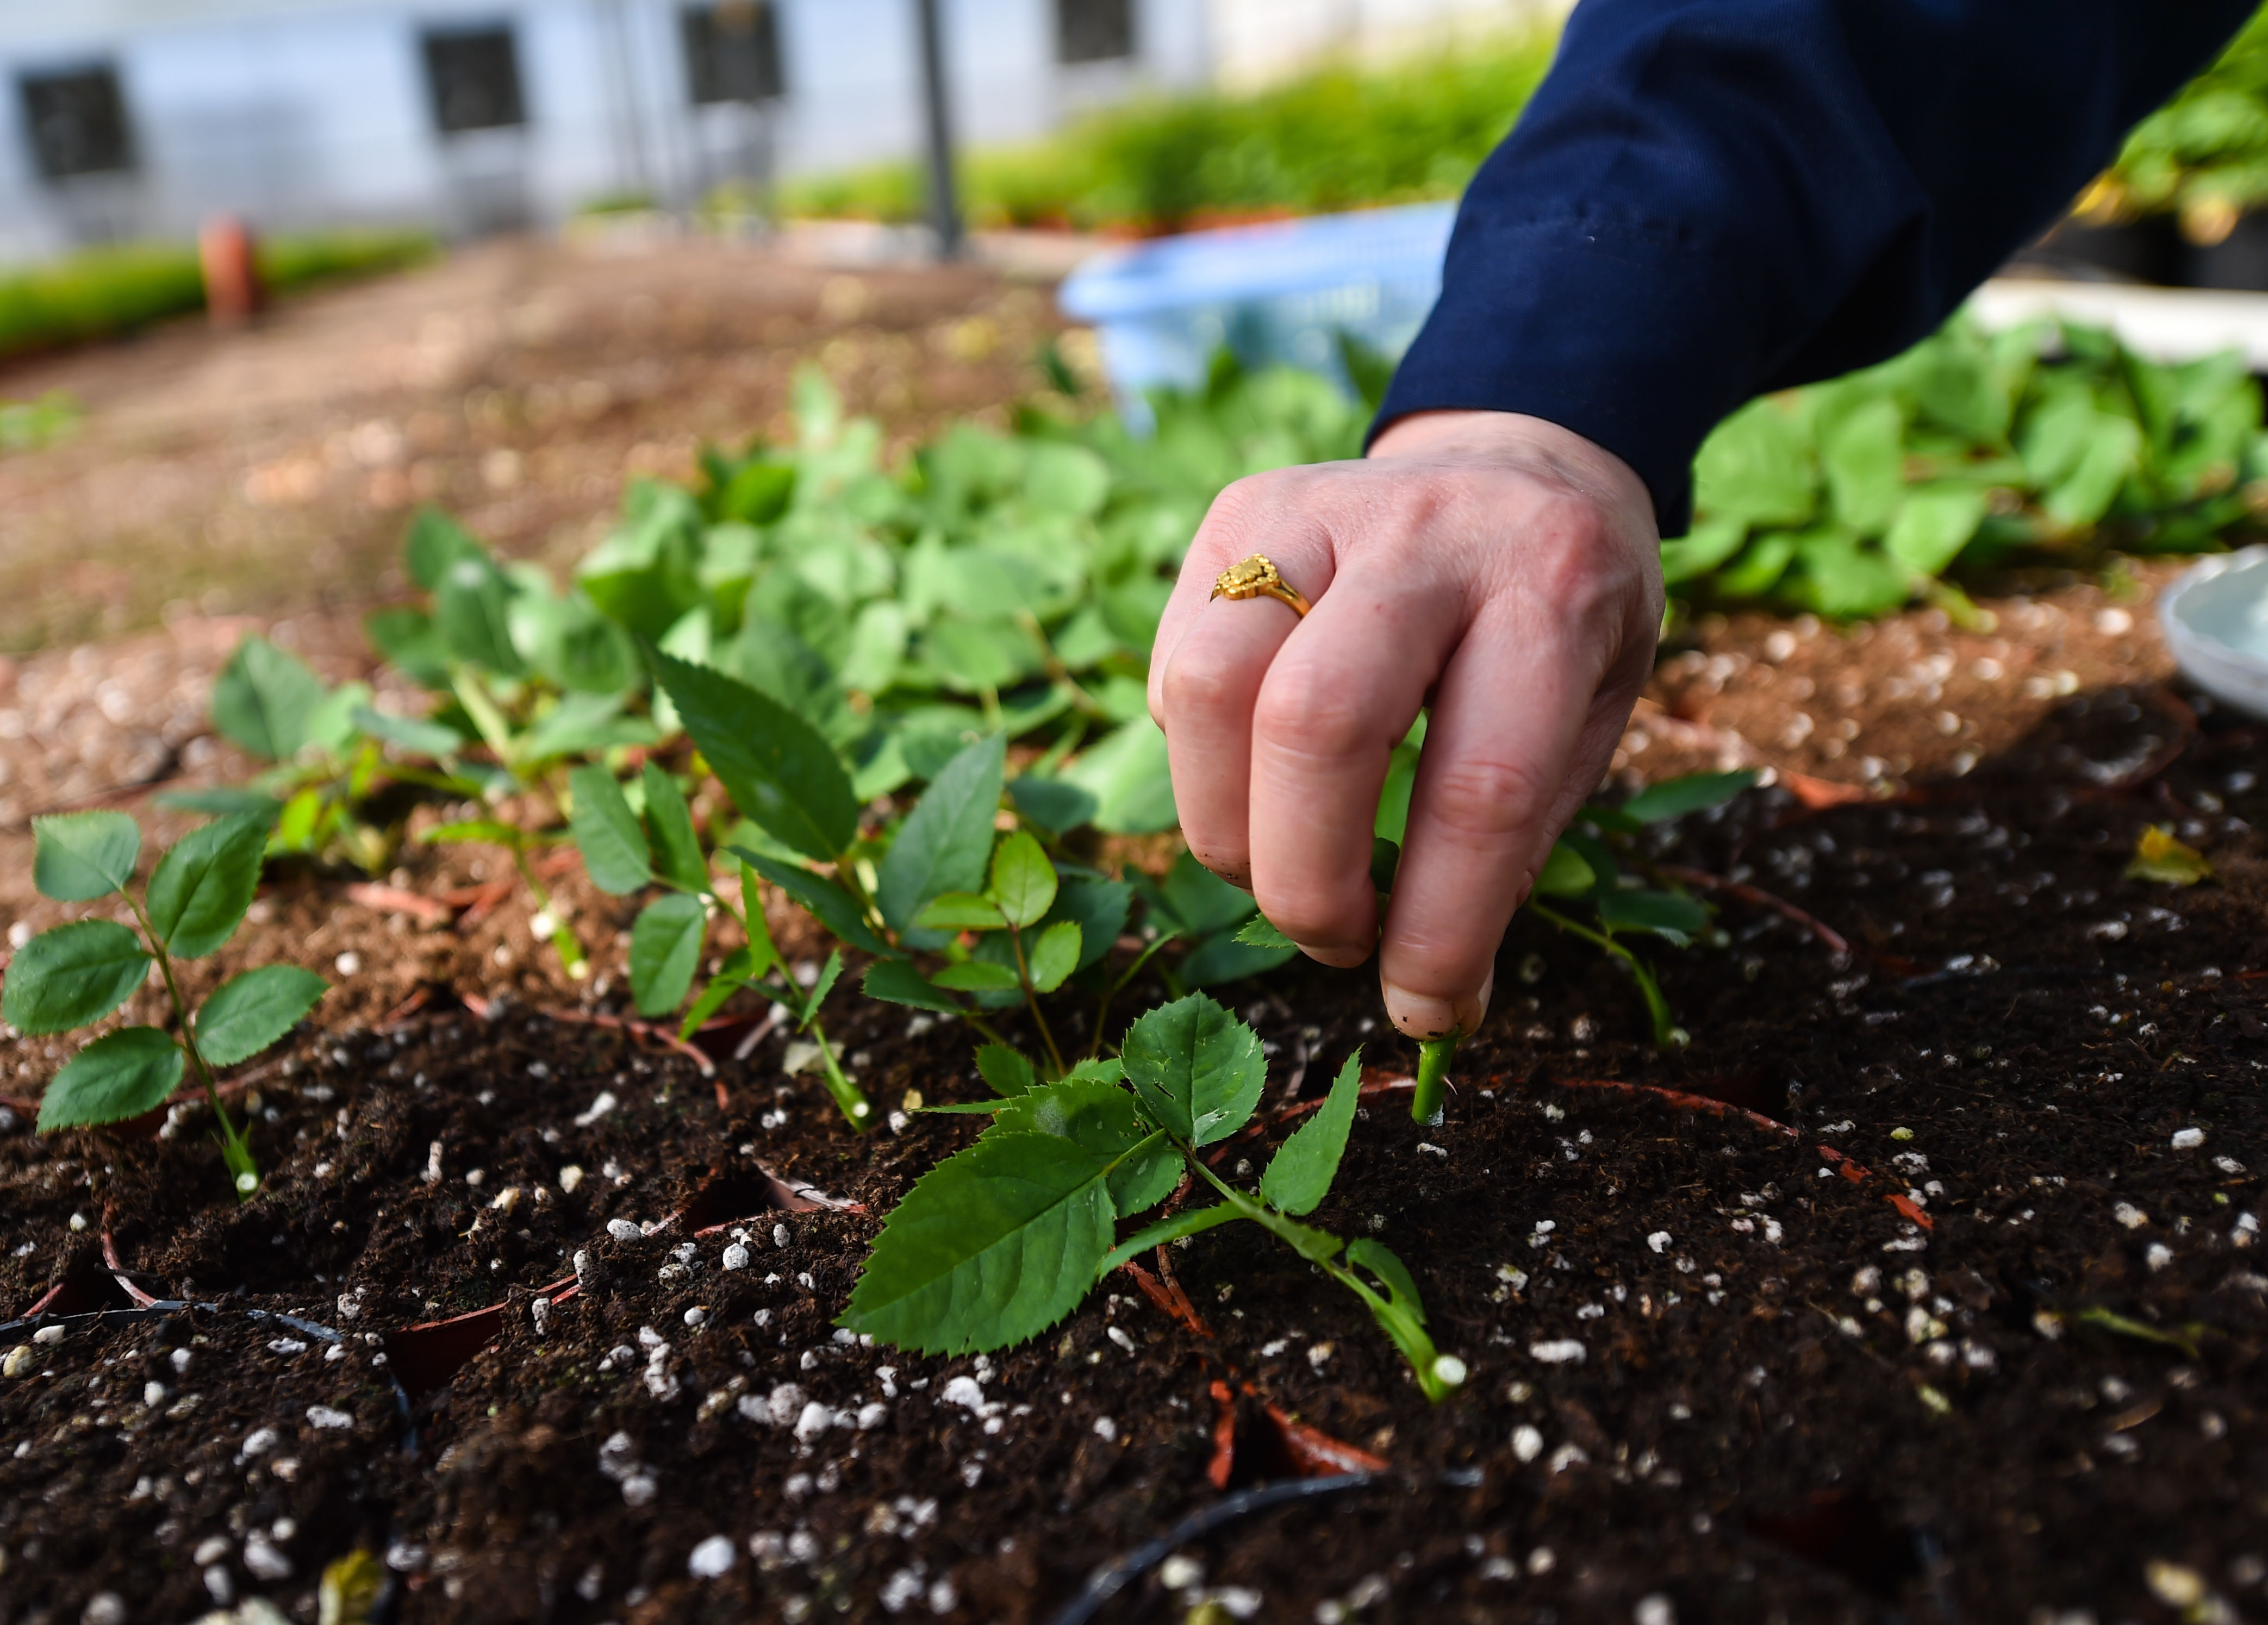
point(944, 203)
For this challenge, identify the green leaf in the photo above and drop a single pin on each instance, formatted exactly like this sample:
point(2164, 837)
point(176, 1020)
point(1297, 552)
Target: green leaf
point(1054, 804)
point(781, 773)
point(1099, 1116)
point(943, 844)
point(71, 976)
point(1936, 522)
point(1863, 454)
point(1129, 777)
point(222, 801)
point(1098, 907)
point(1378, 1259)
point(1188, 1222)
point(248, 1013)
point(1200, 901)
point(79, 857)
point(826, 900)
point(669, 824)
point(1756, 468)
point(480, 831)
point(1222, 959)
point(1260, 932)
point(607, 832)
point(959, 911)
point(977, 976)
point(1401, 1313)
point(1665, 913)
point(1690, 792)
point(665, 952)
point(1005, 1069)
point(2111, 453)
point(201, 888)
point(2158, 856)
point(1198, 1069)
point(742, 967)
point(1847, 576)
point(896, 983)
point(829, 973)
point(409, 643)
point(472, 610)
point(435, 542)
point(991, 1247)
point(1023, 880)
point(263, 700)
point(1565, 873)
point(120, 1075)
point(1053, 956)
point(1702, 549)
point(418, 735)
point(1300, 1175)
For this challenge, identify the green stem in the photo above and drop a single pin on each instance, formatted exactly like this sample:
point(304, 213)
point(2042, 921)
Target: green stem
point(234, 1153)
point(1433, 1057)
point(1665, 1030)
point(855, 1106)
point(563, 940)
point(1032, 998)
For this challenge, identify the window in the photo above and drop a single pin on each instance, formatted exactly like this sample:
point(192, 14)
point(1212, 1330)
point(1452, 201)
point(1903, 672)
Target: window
point(1089, 31)
point(77, 122)
point(732, 51)
point(474, 76)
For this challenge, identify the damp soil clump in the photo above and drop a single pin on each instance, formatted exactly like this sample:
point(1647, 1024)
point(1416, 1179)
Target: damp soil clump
point(1924, 1285)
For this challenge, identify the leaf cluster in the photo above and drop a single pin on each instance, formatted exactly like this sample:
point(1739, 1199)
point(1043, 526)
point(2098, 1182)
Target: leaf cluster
point(1003, 1239)
point(2048, 441)
point(74, 975)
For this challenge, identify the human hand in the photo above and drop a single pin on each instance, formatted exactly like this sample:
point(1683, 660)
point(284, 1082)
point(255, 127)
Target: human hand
point(1499, 568)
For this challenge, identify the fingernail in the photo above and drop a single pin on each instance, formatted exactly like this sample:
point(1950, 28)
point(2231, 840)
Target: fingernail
point(1425, 1015)
point(1338, 958)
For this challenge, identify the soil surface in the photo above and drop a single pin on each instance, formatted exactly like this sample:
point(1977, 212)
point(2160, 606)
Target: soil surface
point(1965, 1323)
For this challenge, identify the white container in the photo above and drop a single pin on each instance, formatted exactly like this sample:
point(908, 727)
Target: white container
point(1278, 293)
point(2216, 620)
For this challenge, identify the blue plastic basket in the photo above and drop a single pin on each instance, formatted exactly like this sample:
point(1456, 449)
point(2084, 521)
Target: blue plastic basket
point(1275, 293)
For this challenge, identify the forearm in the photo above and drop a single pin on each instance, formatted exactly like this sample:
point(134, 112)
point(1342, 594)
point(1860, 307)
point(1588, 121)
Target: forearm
point(1711, 198)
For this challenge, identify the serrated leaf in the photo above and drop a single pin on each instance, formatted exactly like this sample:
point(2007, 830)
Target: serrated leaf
point(1007, 1070)
point(1198, 1069)
point(248, 1013)
point(1260, 932)
point(607, 832)
point(1565, 873)
point(472, 611)
point(669, 825)
point(1300, 1175)
point(1053, 955)
point(263, 699)
point(1023, 880)
point(201, 888)
point(120, 1075)
point(1099, 1116)
point(991, 1247)
point(1188, 1222)
point(827, 901)
point(977, 976)
point(1692, 792)
point(782, 775)
point(665, 952)
point(896, 983)
point(79, 857)
point(71, 976)
point(943, 844)
point(959, 911)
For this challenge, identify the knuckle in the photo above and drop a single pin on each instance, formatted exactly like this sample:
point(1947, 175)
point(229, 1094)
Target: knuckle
point(1313, 711)
point(1485, 798)
point(1202, 679)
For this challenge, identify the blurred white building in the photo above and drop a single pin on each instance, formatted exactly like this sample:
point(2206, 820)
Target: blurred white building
point(139, 118)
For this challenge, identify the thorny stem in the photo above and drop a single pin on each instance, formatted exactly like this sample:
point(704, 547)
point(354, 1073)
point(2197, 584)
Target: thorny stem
point(235, 1153)
point(1032, 998)
point(1665, 1030)
point(1433, 1057)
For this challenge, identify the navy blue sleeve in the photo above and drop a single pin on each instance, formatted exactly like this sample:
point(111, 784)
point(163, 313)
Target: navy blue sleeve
point(1710, 199)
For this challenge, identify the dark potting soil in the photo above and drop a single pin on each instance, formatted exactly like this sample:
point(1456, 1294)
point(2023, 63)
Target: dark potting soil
point(1717, 1373)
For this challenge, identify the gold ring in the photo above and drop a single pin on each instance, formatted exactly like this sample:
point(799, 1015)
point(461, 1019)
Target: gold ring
point(1257, 577)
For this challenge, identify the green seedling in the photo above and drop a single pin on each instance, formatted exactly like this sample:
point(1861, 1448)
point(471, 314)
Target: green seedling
point(75, 975)
point(625, 855)
point(1002, 1241)
point(549, 921)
